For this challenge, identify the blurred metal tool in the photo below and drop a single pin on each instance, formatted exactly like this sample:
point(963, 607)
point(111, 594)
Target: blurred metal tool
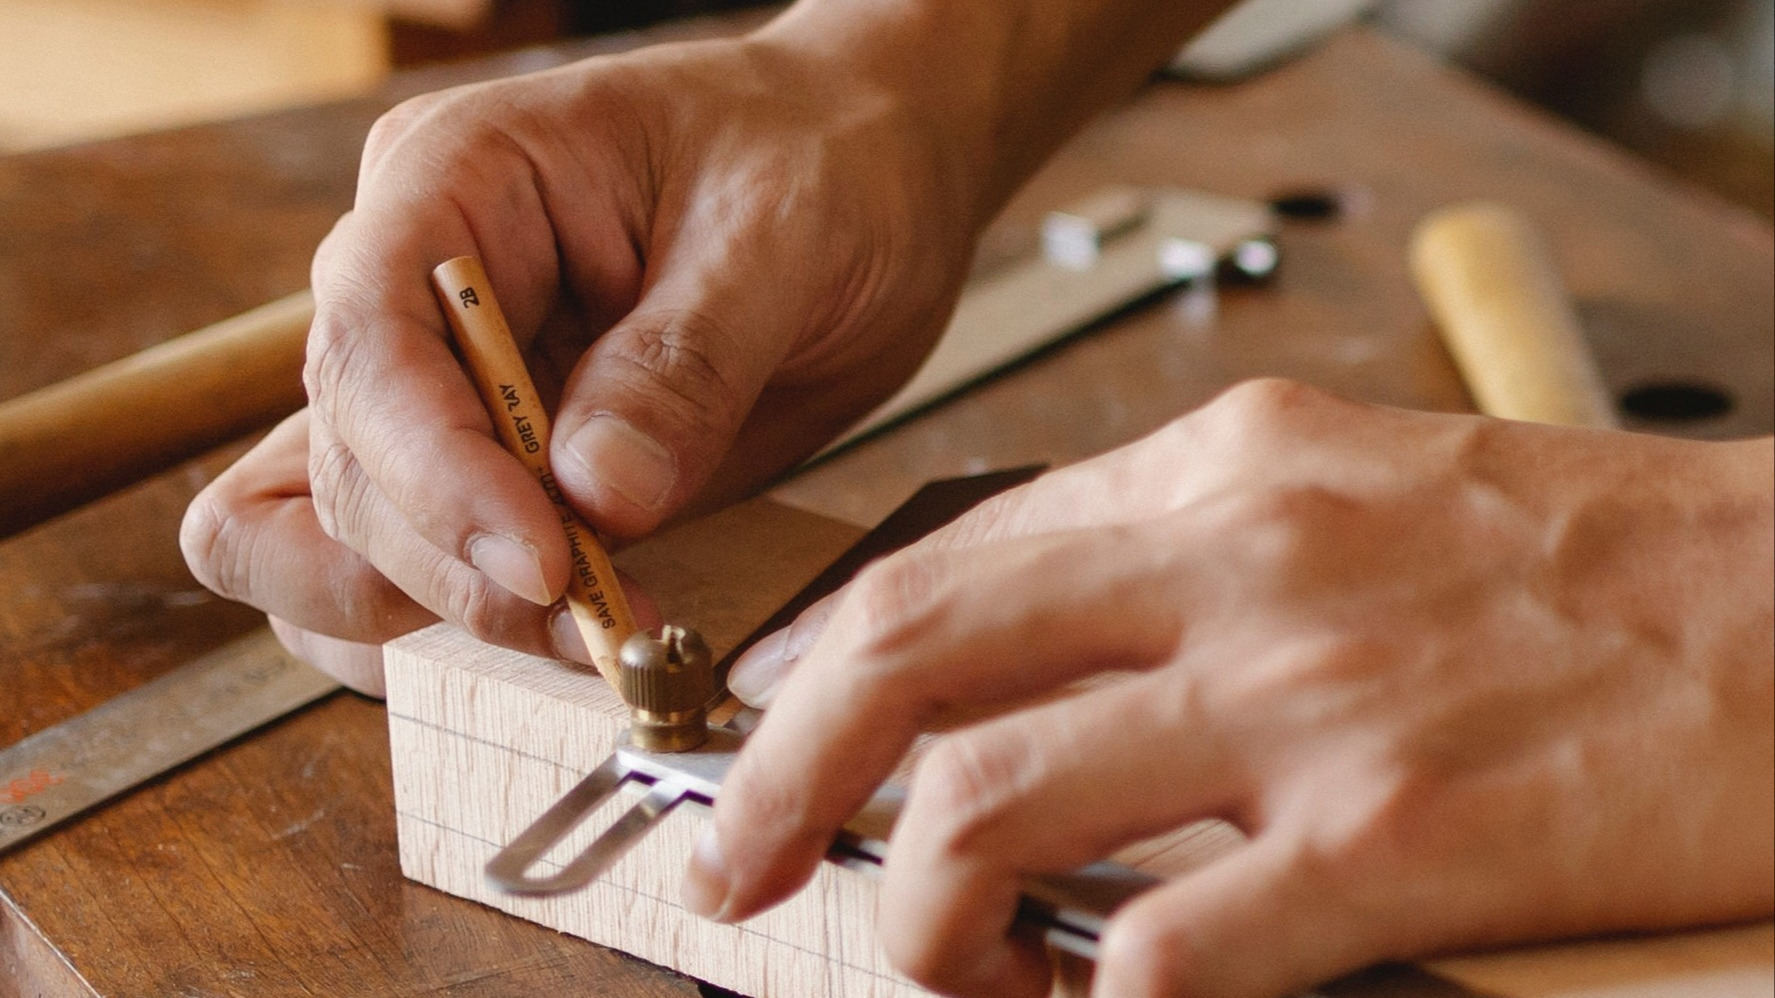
point(1097, 257)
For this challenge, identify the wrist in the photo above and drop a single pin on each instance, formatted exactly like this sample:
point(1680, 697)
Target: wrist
point(992, 88)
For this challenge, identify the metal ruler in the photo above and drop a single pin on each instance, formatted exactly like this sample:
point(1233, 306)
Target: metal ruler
point(59, 772)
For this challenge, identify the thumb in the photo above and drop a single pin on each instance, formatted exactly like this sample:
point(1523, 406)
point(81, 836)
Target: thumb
point(654, 406)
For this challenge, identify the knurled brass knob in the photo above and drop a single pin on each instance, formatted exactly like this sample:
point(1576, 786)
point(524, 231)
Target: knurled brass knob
point(668, 680)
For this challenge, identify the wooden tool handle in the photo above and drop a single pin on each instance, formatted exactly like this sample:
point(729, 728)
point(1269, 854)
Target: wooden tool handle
point(80, 439)
point(594, 595)
point(1497, 298)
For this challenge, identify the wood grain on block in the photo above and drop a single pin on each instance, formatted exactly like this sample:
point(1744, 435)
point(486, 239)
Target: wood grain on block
point(485, 739)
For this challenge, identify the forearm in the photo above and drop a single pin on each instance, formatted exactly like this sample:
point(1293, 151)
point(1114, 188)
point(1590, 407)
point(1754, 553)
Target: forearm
point(998, 84)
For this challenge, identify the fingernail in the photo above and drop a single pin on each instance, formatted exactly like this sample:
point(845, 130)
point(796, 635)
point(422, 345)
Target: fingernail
point(707, 888)
point(758, 673)
point(624, 460)
point(570, 644)
point(514, 566)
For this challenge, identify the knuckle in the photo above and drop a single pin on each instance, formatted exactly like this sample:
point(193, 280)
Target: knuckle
point(1356, 653)
point(453, 137)
point(1362, 832)
point(1316, 685)
point(1008, 514)
point(327, 254)
point(214, 538)
point(396, 123)
point(1410, 810)
point(1289, 528)
point(928, 959)
point(674, 363)
point(891, 603)
point(1337, 659)
point(332, 345)
point(769, 806)
point(965, 783)
point(475, 606)
point(1336, 855)
point(1253, 417)
point(1146, 956)
point(1265, 399)
point(339, 487)
point(808, 626)
point(1380, 836)
point(1298, 505)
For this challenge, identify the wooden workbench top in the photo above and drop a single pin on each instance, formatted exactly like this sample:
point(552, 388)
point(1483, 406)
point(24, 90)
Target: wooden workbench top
point(269, 867)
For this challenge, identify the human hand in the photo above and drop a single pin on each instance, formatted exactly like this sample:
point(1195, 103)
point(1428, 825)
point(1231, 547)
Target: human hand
point(717, 255)
point(1460, 681)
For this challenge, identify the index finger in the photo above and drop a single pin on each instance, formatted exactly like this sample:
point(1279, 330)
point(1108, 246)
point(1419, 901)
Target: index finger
point(916, 633)
point(387, 389)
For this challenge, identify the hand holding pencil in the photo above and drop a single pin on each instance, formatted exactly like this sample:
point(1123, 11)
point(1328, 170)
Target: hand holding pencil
point(632, 214)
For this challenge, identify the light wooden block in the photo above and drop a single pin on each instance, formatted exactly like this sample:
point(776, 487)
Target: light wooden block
point(485, 739)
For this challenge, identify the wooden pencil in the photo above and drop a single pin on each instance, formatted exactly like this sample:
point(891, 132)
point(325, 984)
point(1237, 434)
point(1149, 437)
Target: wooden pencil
point(594, 596)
